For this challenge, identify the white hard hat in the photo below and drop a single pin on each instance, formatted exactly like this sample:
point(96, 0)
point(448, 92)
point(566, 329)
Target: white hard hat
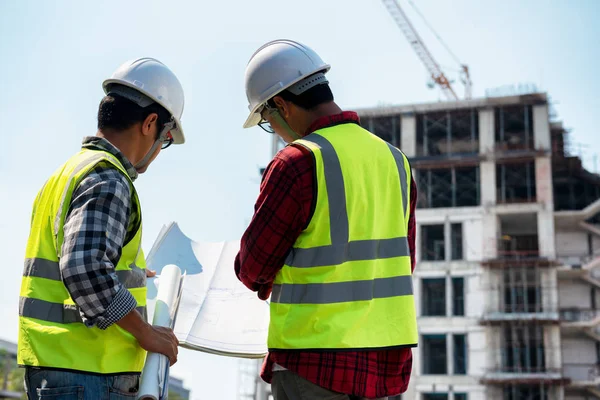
point(154, 80)
point(277, 66)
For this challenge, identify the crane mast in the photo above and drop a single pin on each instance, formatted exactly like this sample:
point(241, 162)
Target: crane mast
point(437, 75)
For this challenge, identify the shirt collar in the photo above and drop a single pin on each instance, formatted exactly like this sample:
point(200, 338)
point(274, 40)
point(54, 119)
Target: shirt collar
point(99, 143)
point(344, 117)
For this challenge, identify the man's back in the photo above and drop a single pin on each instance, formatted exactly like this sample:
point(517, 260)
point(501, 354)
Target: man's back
point(288, 199)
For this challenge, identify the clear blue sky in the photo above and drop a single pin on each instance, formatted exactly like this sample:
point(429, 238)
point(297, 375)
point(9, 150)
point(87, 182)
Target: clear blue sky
point(54, 56)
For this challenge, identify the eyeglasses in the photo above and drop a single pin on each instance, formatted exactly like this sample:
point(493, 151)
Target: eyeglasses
point(264, 124)
point(167, 141)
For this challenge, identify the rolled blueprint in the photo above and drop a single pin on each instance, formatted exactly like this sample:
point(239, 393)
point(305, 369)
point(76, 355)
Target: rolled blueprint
point(155, 373)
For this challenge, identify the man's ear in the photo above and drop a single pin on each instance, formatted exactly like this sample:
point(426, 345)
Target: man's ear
point(150, 120)
point(283, 106)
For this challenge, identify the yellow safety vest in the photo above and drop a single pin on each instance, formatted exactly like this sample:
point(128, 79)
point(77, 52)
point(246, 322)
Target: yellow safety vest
point(51, 331)
point(346, 284)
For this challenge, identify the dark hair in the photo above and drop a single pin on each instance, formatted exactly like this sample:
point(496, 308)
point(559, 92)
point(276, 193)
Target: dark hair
point(118, 113)
point(308, 100)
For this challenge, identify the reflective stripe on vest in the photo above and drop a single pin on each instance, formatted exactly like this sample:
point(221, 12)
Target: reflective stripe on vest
point(346, 283)
point(53, 312)
point(51, 332)
point(41, 268)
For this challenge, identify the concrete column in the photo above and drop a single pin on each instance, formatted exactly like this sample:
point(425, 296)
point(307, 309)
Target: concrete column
point(560, 392)
point(486, 131)
point(448, 294)
point(490, 230)
point(447, 241)
point(549, 288)
point(552, 348)
point(487, 183)
point(409, 135)
point(541, 127)
point(545, 225)
point(543, 182)
point(450, 354)
point(478, 351)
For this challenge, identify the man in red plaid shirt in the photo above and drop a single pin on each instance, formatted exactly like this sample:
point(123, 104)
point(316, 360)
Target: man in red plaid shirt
point(332, 239)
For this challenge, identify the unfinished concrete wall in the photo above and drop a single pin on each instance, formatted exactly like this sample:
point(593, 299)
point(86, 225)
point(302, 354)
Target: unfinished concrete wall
point(487, 178)
point(578, 351)
point(472, 239)
point(492, 282)
point(541, 127)
point(549, 285)
point(552, 347)
point(409, 135)
point(543, 182)
point(579, 359)
point(572, 244)
point(595, 244)
point(490, 233)
point(574, 294)
point(546, 239)
point(474, 296)
point(486, 131)
point(477, 363)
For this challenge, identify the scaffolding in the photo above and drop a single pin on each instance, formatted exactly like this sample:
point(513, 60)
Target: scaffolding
point(448, 187)
point(515, 182)
point(574, 187)
point(514, 128)
point(388, 127)
point(448, 132)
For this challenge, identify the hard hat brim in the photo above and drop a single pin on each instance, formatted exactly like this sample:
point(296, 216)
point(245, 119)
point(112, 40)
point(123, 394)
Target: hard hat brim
point(252, 120)
point(177, 133)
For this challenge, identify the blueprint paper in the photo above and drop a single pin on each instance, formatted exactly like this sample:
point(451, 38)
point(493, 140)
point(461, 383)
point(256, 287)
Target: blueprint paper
point(217, 313)
point(155, 370)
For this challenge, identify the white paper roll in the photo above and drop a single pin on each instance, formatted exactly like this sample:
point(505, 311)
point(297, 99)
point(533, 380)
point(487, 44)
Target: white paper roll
point(166, 303)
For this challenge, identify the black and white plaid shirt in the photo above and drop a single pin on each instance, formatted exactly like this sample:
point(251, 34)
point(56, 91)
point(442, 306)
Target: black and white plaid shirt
point(100, 220)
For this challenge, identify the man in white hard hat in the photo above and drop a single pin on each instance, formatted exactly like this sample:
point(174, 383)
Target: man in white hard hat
point(331, 241)
point(82, 315)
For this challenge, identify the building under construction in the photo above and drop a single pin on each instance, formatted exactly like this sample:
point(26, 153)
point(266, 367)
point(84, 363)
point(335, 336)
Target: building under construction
point(508, 239)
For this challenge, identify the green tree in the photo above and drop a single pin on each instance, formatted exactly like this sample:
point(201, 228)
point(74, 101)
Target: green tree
point(11, 376)
point(175, 396)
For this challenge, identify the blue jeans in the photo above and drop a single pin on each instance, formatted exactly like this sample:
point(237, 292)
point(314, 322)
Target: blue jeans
point(42, 384)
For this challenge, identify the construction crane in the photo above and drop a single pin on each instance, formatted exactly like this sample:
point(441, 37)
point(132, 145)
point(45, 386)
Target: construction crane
point(437, 75)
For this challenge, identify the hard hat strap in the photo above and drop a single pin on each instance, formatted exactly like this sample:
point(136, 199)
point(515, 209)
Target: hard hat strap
point(159, 140)
point(282, 122)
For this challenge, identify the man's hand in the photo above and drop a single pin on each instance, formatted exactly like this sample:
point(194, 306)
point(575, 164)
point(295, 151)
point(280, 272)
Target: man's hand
point(154, 339)
point(161, 340)
point(150, 273)
point(265, 291)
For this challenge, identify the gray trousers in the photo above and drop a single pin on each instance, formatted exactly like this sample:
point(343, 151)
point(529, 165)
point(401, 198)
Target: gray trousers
point(287, 385)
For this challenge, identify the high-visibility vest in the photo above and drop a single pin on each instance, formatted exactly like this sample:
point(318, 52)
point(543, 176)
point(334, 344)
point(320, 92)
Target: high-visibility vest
point(346, 284)
point(51, 331)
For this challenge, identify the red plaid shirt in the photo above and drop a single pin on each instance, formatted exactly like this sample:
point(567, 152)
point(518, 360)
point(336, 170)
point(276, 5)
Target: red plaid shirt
point(282, 211)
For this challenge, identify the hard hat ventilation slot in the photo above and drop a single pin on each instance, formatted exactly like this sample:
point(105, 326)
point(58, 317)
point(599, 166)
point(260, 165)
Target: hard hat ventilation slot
point(305, 84)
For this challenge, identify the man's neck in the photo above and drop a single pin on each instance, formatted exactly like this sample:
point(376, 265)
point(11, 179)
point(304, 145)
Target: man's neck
point(122, 141)
point(323, 110)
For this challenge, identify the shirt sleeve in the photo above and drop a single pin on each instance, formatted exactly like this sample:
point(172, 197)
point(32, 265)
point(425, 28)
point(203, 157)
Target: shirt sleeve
point(281, 212)
point(94, 233)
